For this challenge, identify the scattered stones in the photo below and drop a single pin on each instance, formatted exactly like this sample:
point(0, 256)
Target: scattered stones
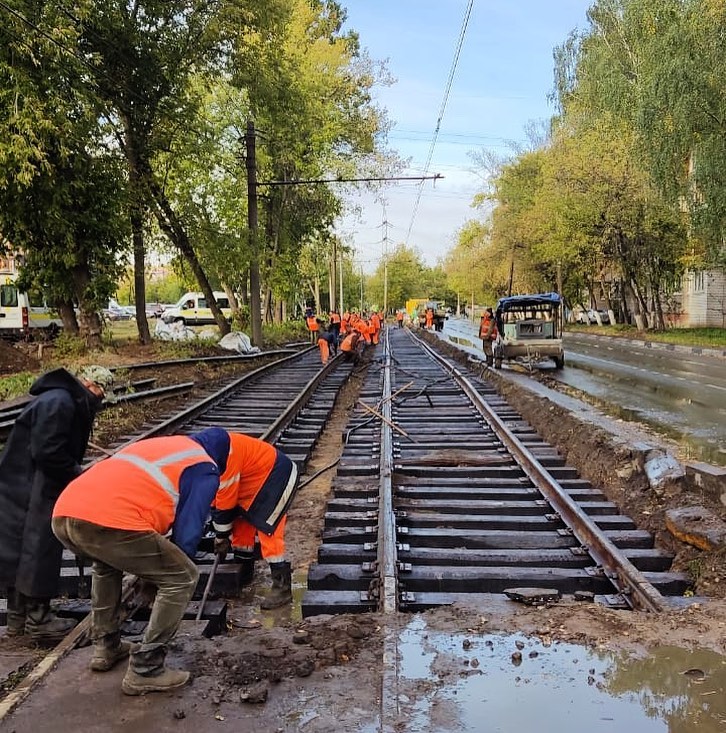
point(255, 694)
point(305, 668)
point(179, 714)
point(697, 526)
point(301, 636)
point(585, 596)
point(519, 644)
point(663, 470)
point(516, 658)
point(466, 643)
point(533, 596)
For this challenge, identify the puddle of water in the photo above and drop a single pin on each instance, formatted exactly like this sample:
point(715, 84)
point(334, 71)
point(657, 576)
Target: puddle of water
point(473, 683)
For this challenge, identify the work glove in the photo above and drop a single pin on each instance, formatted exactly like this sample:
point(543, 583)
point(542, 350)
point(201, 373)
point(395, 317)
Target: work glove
point(222, 545)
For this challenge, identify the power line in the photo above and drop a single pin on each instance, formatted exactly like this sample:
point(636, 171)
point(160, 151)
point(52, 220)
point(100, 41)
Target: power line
point(435, 177)
point(449, 82)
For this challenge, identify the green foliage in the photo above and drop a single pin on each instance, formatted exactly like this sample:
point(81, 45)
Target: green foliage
point(276, 335)
point(241, 319)
point(16, 385)
point(69, 346)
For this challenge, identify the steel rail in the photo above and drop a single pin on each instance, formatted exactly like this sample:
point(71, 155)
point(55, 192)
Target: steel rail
point(286, 418)
point(627, 579)
point(175, 421)
point(202, 360)
point(387, 551)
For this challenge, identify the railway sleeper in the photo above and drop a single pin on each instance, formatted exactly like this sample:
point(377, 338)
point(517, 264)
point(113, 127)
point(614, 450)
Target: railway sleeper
point(645, 560)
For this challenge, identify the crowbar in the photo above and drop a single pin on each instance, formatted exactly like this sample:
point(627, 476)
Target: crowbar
point(208, 587)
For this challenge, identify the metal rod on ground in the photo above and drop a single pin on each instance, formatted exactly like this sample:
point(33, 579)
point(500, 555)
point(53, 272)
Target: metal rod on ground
point(388, 422)
point(98, 448)
point(208, 587)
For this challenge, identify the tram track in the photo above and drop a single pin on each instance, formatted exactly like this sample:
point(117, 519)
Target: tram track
point(127, 391)
point(431, 502)
point(479, 504)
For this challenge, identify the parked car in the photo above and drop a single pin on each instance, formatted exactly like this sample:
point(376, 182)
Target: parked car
point(116, 312)
point(588, 317)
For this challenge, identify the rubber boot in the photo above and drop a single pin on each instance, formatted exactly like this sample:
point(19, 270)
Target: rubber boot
point(281, 592)
point(42, 625)
point(17, 612)
point(245, 566)
point(146, 672)
point(107, 651)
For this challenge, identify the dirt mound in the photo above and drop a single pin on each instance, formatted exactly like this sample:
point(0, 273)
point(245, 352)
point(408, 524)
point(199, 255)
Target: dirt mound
point(13, 360)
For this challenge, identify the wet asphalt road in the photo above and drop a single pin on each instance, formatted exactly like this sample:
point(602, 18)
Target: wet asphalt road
point(677, 392)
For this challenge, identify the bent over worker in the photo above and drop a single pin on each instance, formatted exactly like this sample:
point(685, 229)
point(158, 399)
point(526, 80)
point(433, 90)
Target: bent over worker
point(42, 455)
point(117, 513)
point(254, 495)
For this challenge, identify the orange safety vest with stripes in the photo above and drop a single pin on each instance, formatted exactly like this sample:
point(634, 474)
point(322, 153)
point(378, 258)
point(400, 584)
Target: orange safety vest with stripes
point(254, 467)
point(312, 323)
point(136, 489)
point(334, 317)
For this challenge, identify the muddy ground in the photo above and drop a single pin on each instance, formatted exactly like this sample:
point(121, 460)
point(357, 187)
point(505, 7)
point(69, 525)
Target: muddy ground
point(276, 672)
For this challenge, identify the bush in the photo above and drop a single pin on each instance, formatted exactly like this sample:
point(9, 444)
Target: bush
point(16, 385)
point(68, 345)
point(279, 334)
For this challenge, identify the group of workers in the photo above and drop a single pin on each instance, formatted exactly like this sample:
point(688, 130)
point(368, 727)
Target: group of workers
point(350, 332)
point(142, 511)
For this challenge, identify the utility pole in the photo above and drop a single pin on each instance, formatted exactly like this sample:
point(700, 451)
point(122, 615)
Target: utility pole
point(385, 226)
point(255, 310)
point(340, 283)
point(361, 290)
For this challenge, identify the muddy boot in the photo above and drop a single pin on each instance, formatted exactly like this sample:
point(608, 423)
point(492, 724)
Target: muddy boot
point(245, 566)
point(146, 672)
point(42, 625)
point(281, 592)
point(167, 680)
point(108, 650)
point(17, 612)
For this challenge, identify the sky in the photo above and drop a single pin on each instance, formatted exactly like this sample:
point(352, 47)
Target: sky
point(501, 82)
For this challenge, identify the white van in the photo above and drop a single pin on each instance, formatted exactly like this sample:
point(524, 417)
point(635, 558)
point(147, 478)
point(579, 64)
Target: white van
point(24, 315)
point(192, 309)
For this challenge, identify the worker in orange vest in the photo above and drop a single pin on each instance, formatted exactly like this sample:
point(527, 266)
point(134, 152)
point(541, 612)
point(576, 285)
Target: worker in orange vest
point(312, 324)
point(349, 346)
point(399, 318)
point(326, 342)
point(118, 513)
point(375, 327)
point(335, 325)
point(429, 318)
point(488, 334)
point(255, 492)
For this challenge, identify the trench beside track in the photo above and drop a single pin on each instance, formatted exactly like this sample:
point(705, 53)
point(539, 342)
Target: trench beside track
point(450, 495)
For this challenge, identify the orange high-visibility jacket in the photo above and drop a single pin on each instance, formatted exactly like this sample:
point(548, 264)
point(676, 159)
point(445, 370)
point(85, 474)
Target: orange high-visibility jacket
point(137, 488)
point(488, 327)
point(334, 317)
point(259, 480)
point(350, 341)
point(312, 323)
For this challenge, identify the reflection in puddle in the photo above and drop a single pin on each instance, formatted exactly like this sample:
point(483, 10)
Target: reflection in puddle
point(472, 682)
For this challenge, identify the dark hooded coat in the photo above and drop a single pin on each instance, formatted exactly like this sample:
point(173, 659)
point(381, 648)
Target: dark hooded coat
point(42, 455)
